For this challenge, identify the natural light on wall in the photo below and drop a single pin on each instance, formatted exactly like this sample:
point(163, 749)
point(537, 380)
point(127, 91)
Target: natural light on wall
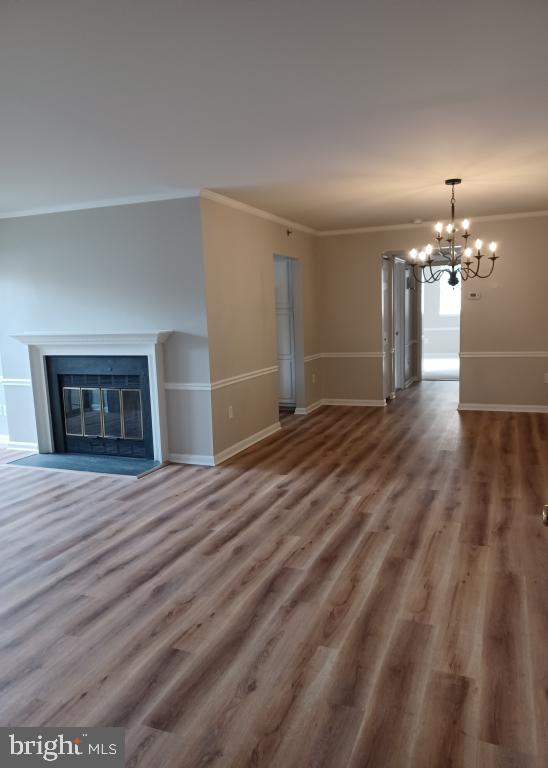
point(450, 297)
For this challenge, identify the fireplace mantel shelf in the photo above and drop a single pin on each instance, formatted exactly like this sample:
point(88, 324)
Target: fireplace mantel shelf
point(84, 339)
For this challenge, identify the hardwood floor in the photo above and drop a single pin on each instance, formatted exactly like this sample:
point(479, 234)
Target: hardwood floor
point(368, 587)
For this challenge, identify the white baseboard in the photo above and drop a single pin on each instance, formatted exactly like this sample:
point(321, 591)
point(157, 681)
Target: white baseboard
point(342, 401)
point(191, 458)
point(339, 401)
point(247, 442)
point(227, 453)
point(218, 458)
point(503, 407)
point(309, 408)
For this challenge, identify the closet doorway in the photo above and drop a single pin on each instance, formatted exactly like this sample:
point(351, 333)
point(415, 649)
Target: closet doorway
point(285, 328)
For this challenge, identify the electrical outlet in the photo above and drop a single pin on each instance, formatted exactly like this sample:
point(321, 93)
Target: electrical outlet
point(474, 296)
point(313, 378)
point(230, 412)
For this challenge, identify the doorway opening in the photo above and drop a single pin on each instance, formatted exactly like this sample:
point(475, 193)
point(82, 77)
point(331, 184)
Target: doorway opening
point(400, 324)
point(284, 281)
point(440, 310)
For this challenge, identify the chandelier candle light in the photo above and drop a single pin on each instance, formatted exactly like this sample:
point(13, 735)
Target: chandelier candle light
point(448, 257)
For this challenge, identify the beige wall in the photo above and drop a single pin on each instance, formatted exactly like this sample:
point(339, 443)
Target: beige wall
point(350, 289)
point(239, 249)
point(351, 317)
point(509, 317)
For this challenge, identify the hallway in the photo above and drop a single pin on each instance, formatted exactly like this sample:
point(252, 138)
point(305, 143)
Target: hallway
point(367, 587)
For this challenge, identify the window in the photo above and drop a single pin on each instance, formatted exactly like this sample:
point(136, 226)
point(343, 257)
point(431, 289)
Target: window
point(449, 298)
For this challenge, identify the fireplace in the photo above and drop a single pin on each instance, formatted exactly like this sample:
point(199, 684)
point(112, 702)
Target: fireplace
point(127, 415)
point(100, 405)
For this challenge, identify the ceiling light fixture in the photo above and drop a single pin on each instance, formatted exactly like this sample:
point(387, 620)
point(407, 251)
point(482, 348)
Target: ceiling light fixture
point(447, 257)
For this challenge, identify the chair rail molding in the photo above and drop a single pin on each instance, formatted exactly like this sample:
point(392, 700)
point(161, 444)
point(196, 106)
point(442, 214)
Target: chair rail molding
point(520, 353)
point(7, 382)
point(148, 344)
point(210, 386)
point(326, 355)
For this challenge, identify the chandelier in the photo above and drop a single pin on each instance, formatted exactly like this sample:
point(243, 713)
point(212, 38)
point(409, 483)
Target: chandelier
point(447, 256)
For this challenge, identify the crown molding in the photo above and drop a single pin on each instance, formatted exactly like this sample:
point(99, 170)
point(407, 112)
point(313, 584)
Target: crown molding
point(365, 230)
point(107, 203)
point(230, 202)
point(411, 225)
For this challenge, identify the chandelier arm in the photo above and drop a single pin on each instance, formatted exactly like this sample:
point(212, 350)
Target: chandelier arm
point(418, 279)
point(435, 275)
point(482, 277)
point(471, 272)
point(474, 271)
point(465, 272)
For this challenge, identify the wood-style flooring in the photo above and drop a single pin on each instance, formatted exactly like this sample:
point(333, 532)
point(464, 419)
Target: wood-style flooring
point(368, 587)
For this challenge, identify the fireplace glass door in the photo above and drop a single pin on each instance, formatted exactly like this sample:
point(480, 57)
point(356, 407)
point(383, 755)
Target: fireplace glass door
point(103, 412)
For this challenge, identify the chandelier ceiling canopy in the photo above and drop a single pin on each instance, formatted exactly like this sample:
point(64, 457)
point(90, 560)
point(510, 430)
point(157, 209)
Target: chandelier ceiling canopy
point(449, 256)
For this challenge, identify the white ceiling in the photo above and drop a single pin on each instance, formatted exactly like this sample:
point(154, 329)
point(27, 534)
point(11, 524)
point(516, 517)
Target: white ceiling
point(332, 113)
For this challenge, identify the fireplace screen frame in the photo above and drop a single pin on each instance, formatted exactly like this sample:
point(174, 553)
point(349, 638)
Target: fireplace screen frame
point(122, 432)
point(101, 371)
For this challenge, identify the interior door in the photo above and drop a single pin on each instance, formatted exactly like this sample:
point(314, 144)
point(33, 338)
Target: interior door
point(399, 323)
point(285, 330)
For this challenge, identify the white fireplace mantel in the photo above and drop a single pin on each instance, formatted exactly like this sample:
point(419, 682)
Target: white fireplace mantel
point(149, 344)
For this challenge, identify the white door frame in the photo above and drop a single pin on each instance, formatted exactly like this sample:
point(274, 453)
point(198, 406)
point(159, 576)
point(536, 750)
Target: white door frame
point(399, 339)
point(389, 330)
point(289, 310)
